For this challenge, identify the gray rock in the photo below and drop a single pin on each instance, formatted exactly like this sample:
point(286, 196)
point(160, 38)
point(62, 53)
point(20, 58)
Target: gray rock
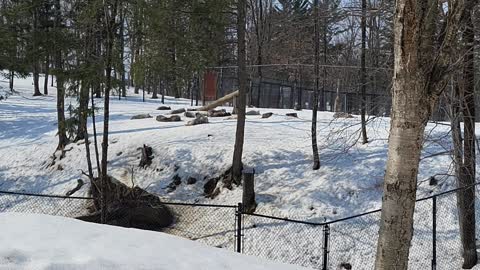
point(292, 115)
point(189, 114)
point(218, 113)
point(178, 111)
point(163, 108)
point(267, 115)
point(173, 118)
point(342, 115)
point(191, 180)
point(252, 113)
point(141, 116)
point(200, 119)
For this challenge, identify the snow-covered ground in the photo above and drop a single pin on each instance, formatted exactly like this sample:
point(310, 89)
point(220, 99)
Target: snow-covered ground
point(41, 242)
point(279, 148)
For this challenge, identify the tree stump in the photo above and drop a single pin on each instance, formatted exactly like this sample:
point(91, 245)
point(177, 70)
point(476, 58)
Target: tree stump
point(249, 203)
point(147, 156)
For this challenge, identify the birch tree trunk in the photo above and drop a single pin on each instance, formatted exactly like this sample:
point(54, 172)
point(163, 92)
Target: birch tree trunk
point(420, 66)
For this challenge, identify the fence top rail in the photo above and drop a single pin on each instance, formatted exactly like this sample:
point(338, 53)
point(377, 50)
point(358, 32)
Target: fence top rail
point(200, 204)
point(43, 195)
point(286, 219)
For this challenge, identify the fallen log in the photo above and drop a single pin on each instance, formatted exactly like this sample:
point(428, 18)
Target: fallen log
point(218, 102)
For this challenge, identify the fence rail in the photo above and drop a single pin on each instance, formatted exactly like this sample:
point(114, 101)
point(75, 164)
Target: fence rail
point(346, 243)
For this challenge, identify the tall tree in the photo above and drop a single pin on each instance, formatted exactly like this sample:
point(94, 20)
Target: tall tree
point(110, 15)
point(242, 99)
point(463, 108)
point(59, 72)
point(316, 157)
point(421, 63)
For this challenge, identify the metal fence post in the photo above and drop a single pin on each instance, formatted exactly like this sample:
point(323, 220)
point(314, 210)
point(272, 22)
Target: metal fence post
point(326, 233)
point(434, 233)
point(239, 228)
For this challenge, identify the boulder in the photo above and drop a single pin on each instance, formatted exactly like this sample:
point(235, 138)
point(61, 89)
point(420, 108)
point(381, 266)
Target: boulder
point(163, 108)
point(189, 114)
point(342, 115)
point(267, 115)
point(178, 111)
point(141, 116)
point(200, 119)
point(252, 113)
point(191, 180)
point(173, 118)
point(218, 113)
point(292, 115)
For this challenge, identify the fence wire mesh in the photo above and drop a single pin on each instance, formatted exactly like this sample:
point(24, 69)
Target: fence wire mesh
point(48, 205)
point(211, 225)
point(283, 241)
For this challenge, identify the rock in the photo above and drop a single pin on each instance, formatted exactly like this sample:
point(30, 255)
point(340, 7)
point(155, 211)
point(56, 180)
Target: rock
point(292, 115)
point(176, 181)
point(163, 108)
point(191, 180)
point(128, 207)
point(189, 114)
point(200, 119)
point(342, 115)
point(178, 111)
point(267, 115)
point(210, 186)
point(119, 153)
point(345, 266)
point(135, 216)
point(218, 113)
point(432, 181)
point(173, 118)
point(141, 116)
point(252, 113)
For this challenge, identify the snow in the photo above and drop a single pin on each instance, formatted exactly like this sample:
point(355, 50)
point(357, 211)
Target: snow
point(41, 242)
point(279, 148)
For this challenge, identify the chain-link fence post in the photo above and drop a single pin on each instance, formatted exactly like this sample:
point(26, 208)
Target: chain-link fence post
point(326, 233)
point(239, 213)
point(434, 233)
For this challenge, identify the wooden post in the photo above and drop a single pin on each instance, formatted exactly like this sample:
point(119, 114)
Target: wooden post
point(249, 203)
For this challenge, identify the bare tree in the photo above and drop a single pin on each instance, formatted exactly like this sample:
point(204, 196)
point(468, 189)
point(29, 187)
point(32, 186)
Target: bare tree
point(316, 157)
point(463, 108)
point(421, 64)
point(242, 81)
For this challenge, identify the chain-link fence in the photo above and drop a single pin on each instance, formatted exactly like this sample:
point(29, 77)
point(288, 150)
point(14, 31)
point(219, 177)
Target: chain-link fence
point(348, 243)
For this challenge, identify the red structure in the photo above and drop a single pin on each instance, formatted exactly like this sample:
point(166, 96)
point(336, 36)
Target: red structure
point(210, 85)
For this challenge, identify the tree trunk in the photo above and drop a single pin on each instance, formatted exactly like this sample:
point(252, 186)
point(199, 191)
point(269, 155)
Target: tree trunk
point(122, 54)
point(110, 31)
point(47, 69)
point(465, 169)
point(11, 80)
point(316, 157)
point(36, 62)
point(419, 72)
point(62, 134)
point(363, 72)
point(242, 81)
